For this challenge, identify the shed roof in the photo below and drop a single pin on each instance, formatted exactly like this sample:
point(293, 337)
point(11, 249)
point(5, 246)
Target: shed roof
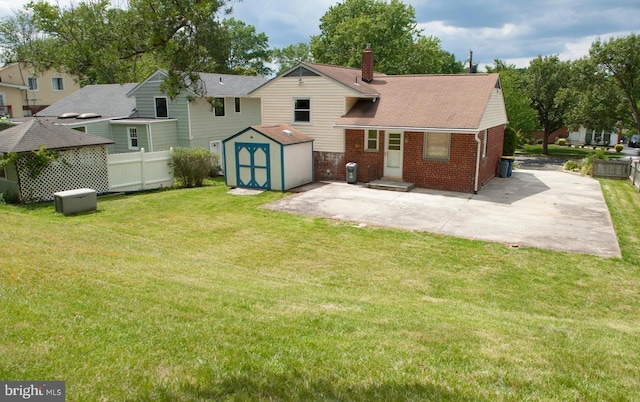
point(108, 100)
point(425, 101)
point(34, 133)
point(280, 133)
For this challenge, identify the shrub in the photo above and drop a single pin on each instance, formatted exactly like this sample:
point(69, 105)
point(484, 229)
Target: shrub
point(540, 141)
point(562, 142)
point(192, 165)
point(510, 141)
point(619, 148)
point(587, 167)
point(9, 197)
point(573, 166)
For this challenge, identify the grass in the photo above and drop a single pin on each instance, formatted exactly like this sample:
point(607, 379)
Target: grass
point(197, 294)
point(563, 151)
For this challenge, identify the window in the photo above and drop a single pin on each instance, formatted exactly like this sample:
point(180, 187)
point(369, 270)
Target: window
point(218, 107)
point(133, 138)
point(302, 111)
point(485, 139)
point(162, 109)
point(57, 84)
point(436, 146)
point(371, 140)
point(33, 83)
point(3, 172)
point(237, 104)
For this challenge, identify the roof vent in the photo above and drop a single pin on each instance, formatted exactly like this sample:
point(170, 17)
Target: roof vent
point(220, 82)
point(85, 116)
point(68, 115)
point(288, 132)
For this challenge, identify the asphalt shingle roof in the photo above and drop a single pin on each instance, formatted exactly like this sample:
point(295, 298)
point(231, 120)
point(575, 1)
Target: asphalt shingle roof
point(108, 100)
point(424, 101)
point(30, 135)
point(230, 85)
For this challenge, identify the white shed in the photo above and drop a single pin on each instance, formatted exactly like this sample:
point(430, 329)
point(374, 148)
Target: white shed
point(271, 157)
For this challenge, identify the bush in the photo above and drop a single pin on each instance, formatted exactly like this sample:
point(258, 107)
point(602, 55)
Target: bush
point(619, 148)
point(562, 142)
point(9, 197)
point(510, 141)
point(573, 166)
point(192, 165)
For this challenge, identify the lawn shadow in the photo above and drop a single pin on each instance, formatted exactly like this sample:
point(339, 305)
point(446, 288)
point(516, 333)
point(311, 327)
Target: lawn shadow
point(293, 388)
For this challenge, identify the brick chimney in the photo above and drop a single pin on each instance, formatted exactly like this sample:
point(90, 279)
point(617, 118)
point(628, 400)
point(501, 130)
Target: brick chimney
point(367, 64)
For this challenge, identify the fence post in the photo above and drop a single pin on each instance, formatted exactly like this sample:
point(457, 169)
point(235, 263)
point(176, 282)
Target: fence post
point(143, 179)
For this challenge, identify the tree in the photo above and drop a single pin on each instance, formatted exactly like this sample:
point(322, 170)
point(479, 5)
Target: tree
point(546, 84)
point(249, 51)
point(19, 37)
point(290, 56)
point(522, 117)
point(617, 63)
point(391, 29)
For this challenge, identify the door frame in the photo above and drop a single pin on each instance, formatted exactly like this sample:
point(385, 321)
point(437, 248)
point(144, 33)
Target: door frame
point(252, 148)
point(393, 172)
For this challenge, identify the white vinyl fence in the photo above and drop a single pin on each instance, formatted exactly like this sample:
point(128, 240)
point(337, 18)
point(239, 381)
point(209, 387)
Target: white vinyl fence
point(137, 171)
point(634, 176)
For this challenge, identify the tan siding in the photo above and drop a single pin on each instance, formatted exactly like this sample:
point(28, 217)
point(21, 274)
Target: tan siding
point(495, 114)
point(327, 106)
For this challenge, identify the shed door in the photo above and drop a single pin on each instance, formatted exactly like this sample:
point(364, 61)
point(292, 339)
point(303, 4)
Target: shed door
point(252, 165)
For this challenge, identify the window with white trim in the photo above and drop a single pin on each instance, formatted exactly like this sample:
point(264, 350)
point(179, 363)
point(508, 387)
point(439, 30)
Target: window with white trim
point(436, 146)
point(371, 140)
point(32, 83)
point(162, 108)
point(133, 137)
point(57, 84)
point(237, 104)
point(302, 110)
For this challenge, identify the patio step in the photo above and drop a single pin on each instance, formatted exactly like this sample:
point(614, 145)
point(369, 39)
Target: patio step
point(392, 185)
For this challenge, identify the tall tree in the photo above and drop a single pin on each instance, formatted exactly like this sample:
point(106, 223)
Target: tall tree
point(249, 51)
point(289, 56)
point(522, 117)
point(546, 84)
point(391, 29)
point(618, 63)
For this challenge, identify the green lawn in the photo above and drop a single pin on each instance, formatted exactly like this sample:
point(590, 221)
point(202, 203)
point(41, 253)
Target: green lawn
point(564, 151)
point(189, 295)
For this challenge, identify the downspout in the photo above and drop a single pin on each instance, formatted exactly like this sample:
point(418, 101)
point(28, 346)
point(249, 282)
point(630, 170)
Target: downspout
point(475, 187)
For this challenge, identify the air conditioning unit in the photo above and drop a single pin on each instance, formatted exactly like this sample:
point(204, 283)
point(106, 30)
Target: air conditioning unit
point(76, 201)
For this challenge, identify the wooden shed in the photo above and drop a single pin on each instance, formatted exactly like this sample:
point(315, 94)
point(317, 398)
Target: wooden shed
point(271, 157)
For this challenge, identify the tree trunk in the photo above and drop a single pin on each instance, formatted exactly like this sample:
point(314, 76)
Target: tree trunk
point(545, 139)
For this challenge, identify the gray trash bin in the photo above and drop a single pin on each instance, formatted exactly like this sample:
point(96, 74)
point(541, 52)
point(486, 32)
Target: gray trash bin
point(504, 167)
point(352, 173)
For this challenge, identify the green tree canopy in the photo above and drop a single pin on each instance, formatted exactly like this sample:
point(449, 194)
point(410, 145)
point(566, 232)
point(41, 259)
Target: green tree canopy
point(290, 56)
point(391, 29)
point(617, 65)
point(546, 84)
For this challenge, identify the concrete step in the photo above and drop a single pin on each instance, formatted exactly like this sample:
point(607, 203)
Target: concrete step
point(392, 185)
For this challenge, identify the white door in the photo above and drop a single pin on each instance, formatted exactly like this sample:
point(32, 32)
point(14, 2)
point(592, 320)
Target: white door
point(393, 155)
point(216, 148)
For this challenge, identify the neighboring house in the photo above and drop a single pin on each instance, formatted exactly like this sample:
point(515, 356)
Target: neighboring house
point(437, 131)
point(562, 132)
point(81, 161)
point(92, 109)
point(23, 92)
point(589, 136)
point(142, 116)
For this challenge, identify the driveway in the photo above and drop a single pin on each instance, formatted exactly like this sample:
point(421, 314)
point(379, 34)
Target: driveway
point(534, 208)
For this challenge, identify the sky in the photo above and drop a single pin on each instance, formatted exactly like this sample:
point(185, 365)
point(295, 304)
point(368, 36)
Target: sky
point(514, 31)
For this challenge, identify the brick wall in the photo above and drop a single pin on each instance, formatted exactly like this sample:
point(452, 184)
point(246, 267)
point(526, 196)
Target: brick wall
point(455, 174)
point(329, 166)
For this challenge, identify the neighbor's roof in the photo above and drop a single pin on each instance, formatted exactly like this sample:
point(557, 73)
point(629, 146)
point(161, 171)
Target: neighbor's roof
point(107, 100)
point(424, 101)
point(34, 133)
point(230, 85)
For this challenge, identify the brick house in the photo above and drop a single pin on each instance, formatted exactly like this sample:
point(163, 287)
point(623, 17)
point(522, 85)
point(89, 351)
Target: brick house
point(438, 131)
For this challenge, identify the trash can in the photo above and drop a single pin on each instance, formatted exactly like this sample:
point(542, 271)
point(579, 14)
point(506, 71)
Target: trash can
point(352, 173)
point(504, 167)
